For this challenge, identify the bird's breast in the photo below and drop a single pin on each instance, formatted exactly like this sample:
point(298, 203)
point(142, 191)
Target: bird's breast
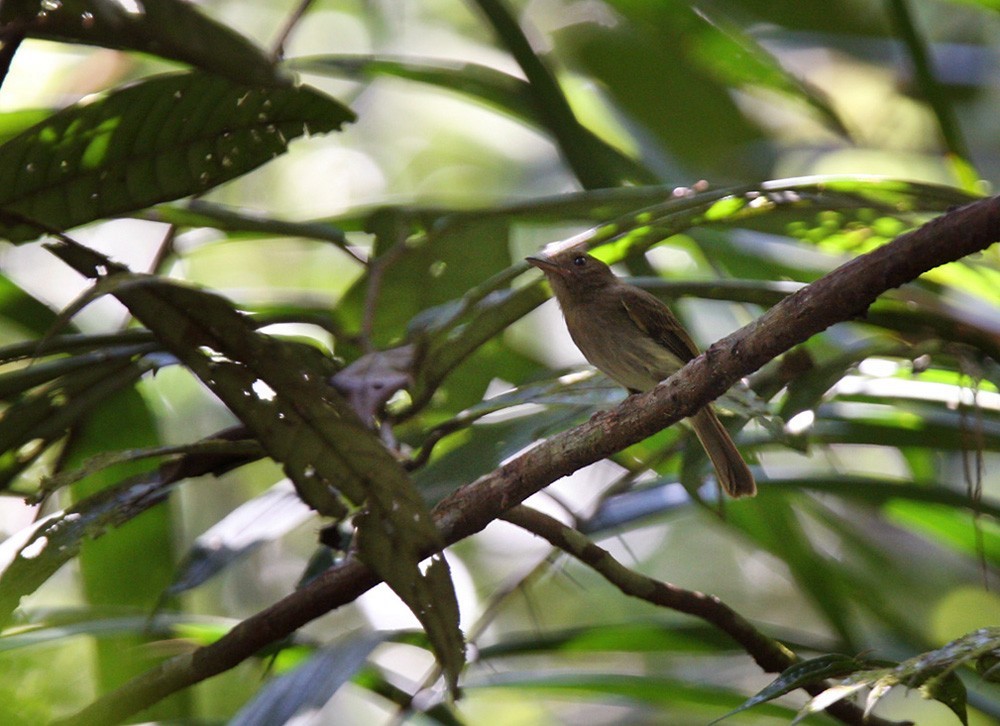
point(614, 345)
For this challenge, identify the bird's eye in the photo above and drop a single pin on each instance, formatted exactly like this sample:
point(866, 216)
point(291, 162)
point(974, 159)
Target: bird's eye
point(580, 261)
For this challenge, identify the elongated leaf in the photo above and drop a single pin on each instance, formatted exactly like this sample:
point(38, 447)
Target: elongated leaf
point(281, 391)
point(685, 702)
point(198, 213)
point(310, 685)
point(33, 423)
point(72, 343)
point(33, 555)
point(506, 93)
point(557, 117)
point(110, 572)
point(637, 637)
point(258, 521)
point(13, 123)
point(933, 673)
point(163, 138)
point(22, 308)
point(170, 28)
point(59, 626)
point(736, 59)
point(802, 674)
point(16, 383)
point(30, 557)
point(207, 454)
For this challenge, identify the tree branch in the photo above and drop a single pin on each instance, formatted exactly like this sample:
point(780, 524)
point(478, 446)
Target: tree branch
point(841, 295)
point(769, 654)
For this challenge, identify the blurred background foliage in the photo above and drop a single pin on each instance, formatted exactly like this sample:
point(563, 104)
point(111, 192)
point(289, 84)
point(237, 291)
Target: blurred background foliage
point(734, 148)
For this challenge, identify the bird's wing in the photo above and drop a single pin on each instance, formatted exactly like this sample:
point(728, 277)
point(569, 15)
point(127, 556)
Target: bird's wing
point(654, 318)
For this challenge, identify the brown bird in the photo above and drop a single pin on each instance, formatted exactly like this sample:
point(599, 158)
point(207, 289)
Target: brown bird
point(634, 339)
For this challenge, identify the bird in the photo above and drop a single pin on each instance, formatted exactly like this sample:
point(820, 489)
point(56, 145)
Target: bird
point(632, 337)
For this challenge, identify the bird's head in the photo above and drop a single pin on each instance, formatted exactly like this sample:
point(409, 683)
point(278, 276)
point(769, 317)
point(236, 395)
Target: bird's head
point(573, 273)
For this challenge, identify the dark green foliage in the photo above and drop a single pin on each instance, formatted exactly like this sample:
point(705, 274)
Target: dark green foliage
point(874, 443)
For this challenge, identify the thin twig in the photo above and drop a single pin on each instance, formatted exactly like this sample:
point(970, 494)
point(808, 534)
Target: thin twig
point(278, 49)
point(771, 655)
point(514, 585)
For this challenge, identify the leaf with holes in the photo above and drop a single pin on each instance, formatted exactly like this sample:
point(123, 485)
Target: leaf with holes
point(280, 390)
point(163, 138)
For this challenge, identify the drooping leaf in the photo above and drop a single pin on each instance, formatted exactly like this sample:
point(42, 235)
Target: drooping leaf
point(35, 421)
point(932, 673)
point(802, 674)
point(169, 28)
point(281, 391)
point(17, 383)
point(60, 625)
point(207, 456)
point(30, 557)
point(24, 309)
point(162, 138)
point(199, 213)
point(309, 686)
point(430, 270)
point(13, 123)
point(252, 524)
point(631, 637)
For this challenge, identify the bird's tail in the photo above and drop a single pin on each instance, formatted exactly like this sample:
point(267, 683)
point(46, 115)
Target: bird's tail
point(733, 473)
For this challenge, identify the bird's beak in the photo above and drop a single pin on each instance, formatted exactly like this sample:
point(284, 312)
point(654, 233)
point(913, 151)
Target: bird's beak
point(545, 265)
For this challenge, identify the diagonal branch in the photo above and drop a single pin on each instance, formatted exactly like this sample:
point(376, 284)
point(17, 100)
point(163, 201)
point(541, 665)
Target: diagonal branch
point(769, 654)
point(841, 295)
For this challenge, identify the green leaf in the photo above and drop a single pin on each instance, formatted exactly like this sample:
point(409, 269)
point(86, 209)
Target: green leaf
point(799, 675)
point(198, 213)
point(558, 118)
point(35, 421)
point(14, 122)
point(419, 272)
point(169, 28)
point(489, 86)
point(950, 527)
point(22, 308)
point(933, 673)
point(645, 63)
point(15, 384)
point(110, 572)
point(202, 452)
point(165, 137)
point(637, 637)
point(59, 625)
point(685, 702)
point(738, 60)
point(33, 555)
point(281, 391)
